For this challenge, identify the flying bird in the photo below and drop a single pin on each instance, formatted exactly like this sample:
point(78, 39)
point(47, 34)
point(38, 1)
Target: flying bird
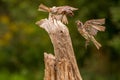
point(58, 13)
point(89, 30)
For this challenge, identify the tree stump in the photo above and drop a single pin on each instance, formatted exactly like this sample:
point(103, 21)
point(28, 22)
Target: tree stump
point(63, 65)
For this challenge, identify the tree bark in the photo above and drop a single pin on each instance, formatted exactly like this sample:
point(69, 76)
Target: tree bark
point(63, 65)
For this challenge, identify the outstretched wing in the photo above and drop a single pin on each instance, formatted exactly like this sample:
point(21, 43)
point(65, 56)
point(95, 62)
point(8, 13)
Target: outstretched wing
point(95, 25)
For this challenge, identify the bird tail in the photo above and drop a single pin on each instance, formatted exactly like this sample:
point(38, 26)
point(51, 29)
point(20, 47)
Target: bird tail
point(97, 44)
point(44, 8)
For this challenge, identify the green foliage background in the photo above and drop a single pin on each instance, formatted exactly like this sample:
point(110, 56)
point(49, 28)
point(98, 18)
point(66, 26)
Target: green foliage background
point(22, 43)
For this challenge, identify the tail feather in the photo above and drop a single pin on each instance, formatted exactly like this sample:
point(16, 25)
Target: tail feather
point(97, 44)
point(44, 8)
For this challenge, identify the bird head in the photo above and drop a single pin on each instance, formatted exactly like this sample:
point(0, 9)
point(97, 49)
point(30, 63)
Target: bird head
point(79, 24)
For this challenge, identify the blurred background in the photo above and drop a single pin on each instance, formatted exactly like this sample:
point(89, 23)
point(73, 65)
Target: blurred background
point(22, 43)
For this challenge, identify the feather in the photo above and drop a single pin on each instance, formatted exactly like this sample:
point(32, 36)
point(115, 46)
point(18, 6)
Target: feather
point(44, 8)
point(90, 29)
point(64, 19)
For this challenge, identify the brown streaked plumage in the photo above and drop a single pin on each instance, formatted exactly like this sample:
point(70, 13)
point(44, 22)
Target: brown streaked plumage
point(43, 8)
point(59, 13)
point(90, 29)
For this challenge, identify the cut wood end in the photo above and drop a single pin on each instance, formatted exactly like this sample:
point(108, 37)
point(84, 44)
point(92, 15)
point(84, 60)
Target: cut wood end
point(40, 22)
point(49, 56)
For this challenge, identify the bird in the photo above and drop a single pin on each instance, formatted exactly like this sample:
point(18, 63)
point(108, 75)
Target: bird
point(58, 13)
point(89, 30)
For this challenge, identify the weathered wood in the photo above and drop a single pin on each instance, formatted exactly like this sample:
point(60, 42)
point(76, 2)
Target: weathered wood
point(63, 66)
point(49, 67)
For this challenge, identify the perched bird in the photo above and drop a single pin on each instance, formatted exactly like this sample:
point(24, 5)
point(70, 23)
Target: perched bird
point(58, 13)
point(90, 29)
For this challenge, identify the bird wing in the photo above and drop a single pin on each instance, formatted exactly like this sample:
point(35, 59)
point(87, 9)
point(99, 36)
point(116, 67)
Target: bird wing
point(95, 25)
point(64, 19)
point(64, 10)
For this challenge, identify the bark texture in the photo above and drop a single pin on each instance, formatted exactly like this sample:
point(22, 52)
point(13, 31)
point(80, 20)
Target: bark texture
point(63, 65)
